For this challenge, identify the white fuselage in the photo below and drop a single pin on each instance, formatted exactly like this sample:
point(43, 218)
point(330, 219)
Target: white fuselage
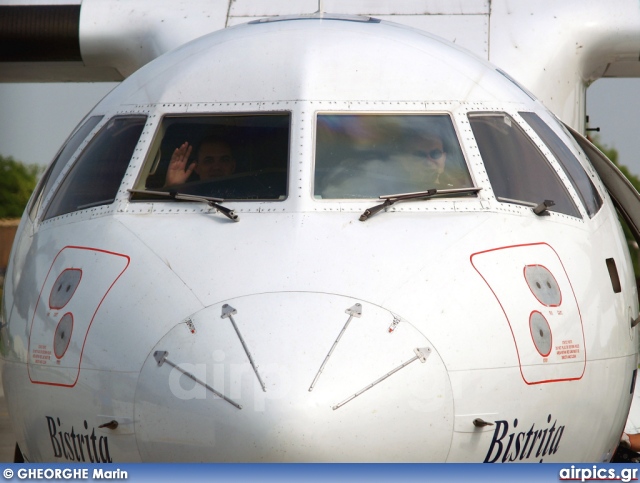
point(442, 335)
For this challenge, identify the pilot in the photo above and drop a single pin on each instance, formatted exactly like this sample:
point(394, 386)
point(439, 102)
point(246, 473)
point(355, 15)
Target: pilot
point(214, 159)
point(424, 160)
point(416, 165)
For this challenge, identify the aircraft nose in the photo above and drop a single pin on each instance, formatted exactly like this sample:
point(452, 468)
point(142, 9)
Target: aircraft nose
point(294, 377)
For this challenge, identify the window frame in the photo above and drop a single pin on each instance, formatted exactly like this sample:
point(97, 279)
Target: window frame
point(151, 162)
point(70, 169)
point(41, 193)
point(439, 112)
point(558, 172)
point(564, 163)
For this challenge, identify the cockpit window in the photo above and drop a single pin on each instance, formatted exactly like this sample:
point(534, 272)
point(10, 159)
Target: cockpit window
point(369, 155)
point(578, 176)
point(517, 169)
point(233, 157)
point(97, 174)
point(60, 162)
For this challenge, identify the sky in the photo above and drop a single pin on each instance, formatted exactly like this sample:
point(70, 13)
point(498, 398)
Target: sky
point(35, 119)
point(613, 105)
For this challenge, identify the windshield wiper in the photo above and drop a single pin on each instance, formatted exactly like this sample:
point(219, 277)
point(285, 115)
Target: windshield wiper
point(211, 201)
point(419, 195)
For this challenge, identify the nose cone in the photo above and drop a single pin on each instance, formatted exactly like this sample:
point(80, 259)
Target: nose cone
point(294, 377)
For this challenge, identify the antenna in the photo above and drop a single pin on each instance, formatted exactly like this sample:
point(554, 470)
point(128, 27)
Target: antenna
point(320, 7)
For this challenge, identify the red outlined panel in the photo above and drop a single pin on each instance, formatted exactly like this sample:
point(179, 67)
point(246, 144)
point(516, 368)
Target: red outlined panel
point(57, 338)
point(505, 272)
